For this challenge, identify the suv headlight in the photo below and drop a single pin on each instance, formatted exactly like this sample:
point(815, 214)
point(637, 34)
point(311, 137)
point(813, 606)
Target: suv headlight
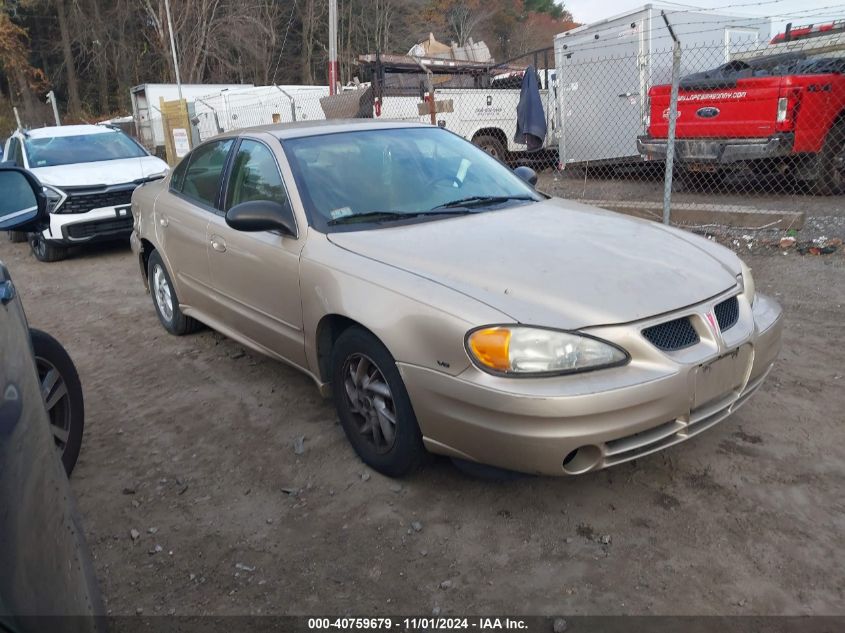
point(746, 282)
point(516, 350)
point(157, 176)
point(55, 198)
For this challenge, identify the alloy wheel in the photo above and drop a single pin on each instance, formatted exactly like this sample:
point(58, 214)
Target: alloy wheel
point(162, 294)
point(56, 398)
point(39, 245)
point(370, 401)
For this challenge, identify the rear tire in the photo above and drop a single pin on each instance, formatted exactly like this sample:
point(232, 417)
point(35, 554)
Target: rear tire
point(831, 179)
point(44, 250)
point(165, 300)
point(373, 405)
point(62, 393)
point(491, 145)
point(17, 237)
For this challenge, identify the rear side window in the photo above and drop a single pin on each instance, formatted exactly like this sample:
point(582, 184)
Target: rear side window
point(15, 153)
point(201, 181)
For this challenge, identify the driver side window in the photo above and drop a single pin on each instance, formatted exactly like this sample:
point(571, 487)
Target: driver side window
point(255, 176)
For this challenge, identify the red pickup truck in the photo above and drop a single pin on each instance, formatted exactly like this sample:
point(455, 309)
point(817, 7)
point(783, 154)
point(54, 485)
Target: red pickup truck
point(782, 113)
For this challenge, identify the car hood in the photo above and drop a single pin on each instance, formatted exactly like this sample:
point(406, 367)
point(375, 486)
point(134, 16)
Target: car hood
point(108, 172)
point(557, 263)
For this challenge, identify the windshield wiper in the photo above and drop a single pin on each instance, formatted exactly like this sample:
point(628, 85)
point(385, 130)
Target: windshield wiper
point(392, 216)
point(474, 201)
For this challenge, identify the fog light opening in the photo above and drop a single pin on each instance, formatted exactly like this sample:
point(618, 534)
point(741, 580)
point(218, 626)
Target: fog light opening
point(582, 460)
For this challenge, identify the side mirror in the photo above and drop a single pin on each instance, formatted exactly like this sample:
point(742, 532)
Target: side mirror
point(23, 203)
point(527, 174)
point(262, 215)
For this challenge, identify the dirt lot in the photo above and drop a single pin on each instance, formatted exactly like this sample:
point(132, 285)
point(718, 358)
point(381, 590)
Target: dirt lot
point(190, 441)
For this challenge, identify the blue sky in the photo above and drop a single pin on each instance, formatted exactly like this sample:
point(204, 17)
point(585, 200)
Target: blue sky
point(796, 11)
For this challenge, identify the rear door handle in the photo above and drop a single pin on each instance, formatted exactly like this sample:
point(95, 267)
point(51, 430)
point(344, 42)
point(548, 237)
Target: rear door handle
point(218, 243)
point(163, 221)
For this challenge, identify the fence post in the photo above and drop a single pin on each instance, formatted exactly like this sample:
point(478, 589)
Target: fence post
point(292, 103)
point(673, 118)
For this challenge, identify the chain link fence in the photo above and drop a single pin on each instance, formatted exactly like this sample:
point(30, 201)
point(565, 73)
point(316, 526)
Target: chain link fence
point(756, 123)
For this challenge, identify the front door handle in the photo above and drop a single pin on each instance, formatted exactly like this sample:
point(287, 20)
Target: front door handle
point(218, 243)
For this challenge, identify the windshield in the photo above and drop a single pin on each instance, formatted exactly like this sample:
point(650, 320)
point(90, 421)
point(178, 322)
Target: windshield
point(385, 175)
point(81, 148)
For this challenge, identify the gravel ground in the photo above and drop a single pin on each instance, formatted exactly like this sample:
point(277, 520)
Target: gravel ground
point(191, 442)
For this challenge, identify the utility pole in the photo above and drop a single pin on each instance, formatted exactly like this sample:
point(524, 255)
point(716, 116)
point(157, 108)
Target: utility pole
point(173, 47)
point(673, 118)
point(333, 69)
point(51, 98)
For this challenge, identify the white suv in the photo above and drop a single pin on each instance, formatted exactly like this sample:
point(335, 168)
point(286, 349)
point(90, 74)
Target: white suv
point(89, 173)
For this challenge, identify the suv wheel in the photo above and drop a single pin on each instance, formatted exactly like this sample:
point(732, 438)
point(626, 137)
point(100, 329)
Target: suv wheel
point(45, 251)
point(373, 404)
point(165, 300)
point(62, 394)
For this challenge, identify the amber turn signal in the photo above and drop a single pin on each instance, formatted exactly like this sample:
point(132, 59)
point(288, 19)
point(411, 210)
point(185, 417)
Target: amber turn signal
point(491, 347)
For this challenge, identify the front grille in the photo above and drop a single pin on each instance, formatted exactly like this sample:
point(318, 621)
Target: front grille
point(82, 202)
point(84, 230)
point(672, 335)
point(727, 313)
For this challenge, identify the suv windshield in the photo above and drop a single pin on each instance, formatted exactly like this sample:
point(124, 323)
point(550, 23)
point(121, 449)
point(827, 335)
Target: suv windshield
point(385, 175)
point(81, 148)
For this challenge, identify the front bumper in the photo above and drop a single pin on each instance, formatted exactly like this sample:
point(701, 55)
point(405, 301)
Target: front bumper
point(719, 151)
point(106, 223)
point(598, 419)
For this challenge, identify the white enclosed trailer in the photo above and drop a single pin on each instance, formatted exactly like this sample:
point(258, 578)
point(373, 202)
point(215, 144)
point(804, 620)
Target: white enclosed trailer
point(258, 105)
point(605, 70)
point(145, 106)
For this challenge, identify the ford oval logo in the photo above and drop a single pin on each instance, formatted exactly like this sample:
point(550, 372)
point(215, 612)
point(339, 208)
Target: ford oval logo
point(707, 113)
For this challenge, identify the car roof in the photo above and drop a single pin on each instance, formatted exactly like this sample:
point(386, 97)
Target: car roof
point(67, 130)
point(332, 126)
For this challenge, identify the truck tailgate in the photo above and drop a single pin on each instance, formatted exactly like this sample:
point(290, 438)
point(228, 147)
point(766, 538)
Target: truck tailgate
point(746, 110)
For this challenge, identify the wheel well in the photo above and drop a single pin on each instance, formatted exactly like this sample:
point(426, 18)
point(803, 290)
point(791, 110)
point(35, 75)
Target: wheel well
point(147, 249)
point(495, 132)
point(329, 330)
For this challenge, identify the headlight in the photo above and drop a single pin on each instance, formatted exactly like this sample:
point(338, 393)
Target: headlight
point(55, 198)
point(157, 176)
point(746, 282)
point(517, 350)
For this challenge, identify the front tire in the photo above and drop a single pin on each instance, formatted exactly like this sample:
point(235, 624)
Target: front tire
point(373, 405)
point(17, 237)
point(44, 250)
point(165, 300)
point(62, 393)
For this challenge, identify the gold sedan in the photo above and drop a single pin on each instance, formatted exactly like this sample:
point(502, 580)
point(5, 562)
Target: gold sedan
point(446, 304)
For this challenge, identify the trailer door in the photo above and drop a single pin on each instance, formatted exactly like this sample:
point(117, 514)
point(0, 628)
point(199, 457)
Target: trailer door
point(601, 97)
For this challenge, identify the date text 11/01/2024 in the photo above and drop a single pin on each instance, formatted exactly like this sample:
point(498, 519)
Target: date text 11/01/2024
point(412, 624)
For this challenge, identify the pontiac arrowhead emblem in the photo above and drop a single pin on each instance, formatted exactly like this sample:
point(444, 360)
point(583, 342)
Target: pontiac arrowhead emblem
point(714, 324)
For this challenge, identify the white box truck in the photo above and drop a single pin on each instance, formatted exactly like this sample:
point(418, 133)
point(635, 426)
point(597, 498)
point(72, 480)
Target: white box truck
point(605, 70)
point(145, 106)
